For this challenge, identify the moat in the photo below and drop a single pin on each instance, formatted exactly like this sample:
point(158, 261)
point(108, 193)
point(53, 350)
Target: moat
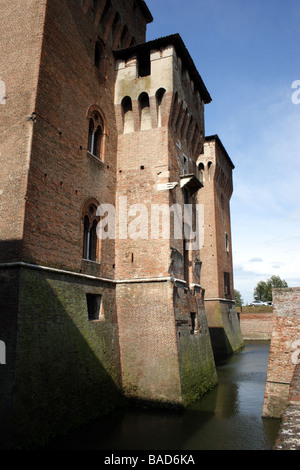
point(227, 418)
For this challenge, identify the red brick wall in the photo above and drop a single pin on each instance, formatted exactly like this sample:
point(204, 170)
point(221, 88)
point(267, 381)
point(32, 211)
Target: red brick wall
point(256, 326)
point(284, 350)
point(21, 32)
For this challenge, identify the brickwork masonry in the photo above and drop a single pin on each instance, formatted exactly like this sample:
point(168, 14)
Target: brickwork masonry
point(284, 350)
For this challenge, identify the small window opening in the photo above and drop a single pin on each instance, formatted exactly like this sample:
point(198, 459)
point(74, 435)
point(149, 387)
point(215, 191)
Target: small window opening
point(93, 306)
point(132, 257)
point(95, 136)
point(159, 98)
point(90, 223)
point(193, 322)
point(144, 64)
point(185, 196)
point(227, 242)
point(185, 165)
point(227, 285)
point(97, 55)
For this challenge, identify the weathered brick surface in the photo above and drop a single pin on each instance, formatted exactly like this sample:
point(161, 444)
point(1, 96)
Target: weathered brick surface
point(284, 350)
point(256, 326)
point(289, 433)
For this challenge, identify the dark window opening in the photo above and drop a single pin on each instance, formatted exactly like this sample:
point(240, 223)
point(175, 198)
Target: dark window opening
point(97, 55)
point(144, 64)
point(193, 322)
point(185, 196)
point(93, 306)
point(227, 285)
point(227, 242)
point(95, 136)
point(90, 223)
point(159, 98)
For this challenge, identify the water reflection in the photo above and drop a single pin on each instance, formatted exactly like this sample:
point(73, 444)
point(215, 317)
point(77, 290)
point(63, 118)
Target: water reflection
point(227, 418)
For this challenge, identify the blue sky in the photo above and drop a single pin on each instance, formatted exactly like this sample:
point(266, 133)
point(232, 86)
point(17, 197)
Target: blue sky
point(248, 54)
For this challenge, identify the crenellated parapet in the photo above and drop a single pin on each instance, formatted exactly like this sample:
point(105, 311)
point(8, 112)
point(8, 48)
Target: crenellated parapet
point(157, 85)
point(117, 23)
point(215, 165)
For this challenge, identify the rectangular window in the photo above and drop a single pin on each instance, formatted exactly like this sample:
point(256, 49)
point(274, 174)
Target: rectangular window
point(227, 242)
point(193, 322)
point(94, 302)
point(144, 64)
point(227, 285)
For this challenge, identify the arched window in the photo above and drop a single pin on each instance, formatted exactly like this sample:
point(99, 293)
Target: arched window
point(159, 99)
point(96, 135)
point(128, 124)
point(145, 111)
point(209, 170)
point(201, 171)
point(90, 242)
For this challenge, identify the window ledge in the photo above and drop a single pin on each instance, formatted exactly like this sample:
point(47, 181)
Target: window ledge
point(91, 155)
point(91, 261)
point(101, 319)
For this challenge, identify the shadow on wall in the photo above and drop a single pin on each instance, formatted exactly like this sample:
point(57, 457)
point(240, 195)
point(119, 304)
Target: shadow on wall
point(61, 369)
point(220, 342)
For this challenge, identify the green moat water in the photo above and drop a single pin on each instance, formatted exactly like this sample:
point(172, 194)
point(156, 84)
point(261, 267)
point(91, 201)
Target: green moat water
point(227, 418)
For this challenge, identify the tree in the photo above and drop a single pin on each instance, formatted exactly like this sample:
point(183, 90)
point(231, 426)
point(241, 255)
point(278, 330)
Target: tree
point(263, 290)
point(238, 298)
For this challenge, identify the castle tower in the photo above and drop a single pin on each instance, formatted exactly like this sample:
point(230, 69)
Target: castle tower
point(165, 347)
point(58, 317)
point(216, 252)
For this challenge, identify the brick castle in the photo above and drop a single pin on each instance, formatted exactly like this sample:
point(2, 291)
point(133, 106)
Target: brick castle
point(94, 116)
